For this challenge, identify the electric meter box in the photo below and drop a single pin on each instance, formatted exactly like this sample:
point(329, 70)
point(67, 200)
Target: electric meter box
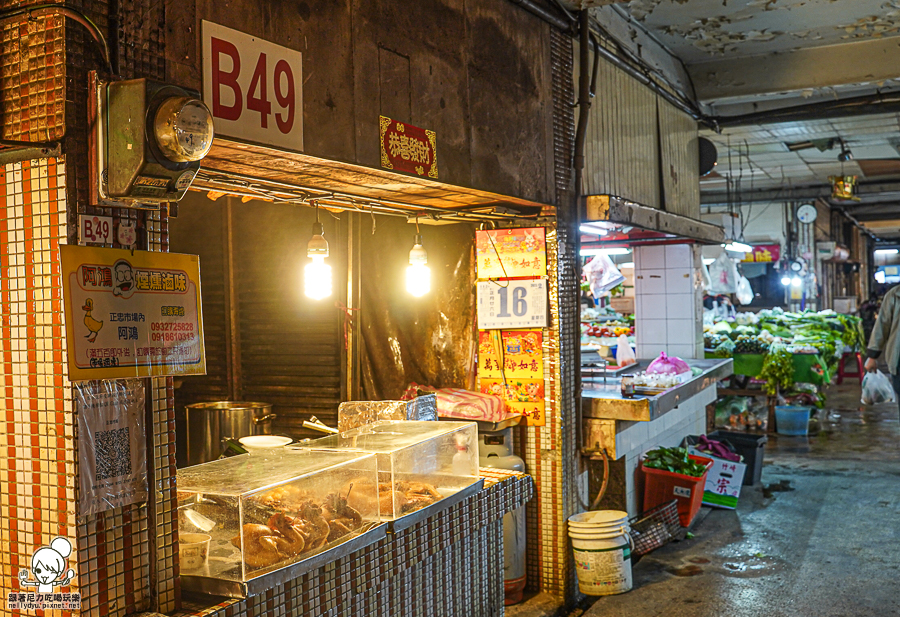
point(155, 136)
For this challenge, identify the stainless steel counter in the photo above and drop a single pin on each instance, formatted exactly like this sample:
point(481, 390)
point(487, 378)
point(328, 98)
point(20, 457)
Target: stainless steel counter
point(603, 399)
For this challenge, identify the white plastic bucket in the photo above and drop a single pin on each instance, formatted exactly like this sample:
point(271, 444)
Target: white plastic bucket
point(602, 558)
point(599, 518)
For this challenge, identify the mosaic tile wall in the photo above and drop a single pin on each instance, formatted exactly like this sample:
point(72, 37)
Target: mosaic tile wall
point(550, 451)
point(449, 565)
point(37, 447)
point(32, 78)
point(38, 452)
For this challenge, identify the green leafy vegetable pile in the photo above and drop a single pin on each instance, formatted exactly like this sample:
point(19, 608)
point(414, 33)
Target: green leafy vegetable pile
point(675, 460)
point(778, 369)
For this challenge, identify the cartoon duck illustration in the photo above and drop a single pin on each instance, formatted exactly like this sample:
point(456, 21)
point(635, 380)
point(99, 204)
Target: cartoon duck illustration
point(92, 324)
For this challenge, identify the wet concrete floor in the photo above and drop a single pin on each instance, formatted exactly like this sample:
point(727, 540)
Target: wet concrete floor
point(818, 537)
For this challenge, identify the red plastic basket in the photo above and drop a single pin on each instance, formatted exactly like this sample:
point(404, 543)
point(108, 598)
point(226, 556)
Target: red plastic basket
point(661, 486)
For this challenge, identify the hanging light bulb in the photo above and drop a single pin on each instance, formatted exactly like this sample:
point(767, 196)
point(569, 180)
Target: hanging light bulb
point(317, 274)
point(418, 275)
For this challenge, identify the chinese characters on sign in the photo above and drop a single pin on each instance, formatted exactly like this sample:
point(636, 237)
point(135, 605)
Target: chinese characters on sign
point(763, 253)
point(408, 148)
point(132, 315)
point(512, 304)
point(510, 253)
point(511, 366)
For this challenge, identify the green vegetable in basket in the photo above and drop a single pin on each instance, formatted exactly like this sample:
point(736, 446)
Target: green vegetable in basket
point(675, 460)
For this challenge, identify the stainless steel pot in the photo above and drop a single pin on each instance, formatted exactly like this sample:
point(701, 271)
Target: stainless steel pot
point(201, 429)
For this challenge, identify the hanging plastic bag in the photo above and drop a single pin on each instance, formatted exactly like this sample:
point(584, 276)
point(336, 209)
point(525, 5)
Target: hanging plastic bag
point(877, 388)
point(744, 292)
point(664, 365)
point(707, 281)
point(602, 275)
point(624, 352)
point(724, 275)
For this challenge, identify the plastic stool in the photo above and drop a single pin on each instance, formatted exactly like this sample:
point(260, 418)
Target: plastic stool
point(841, 373)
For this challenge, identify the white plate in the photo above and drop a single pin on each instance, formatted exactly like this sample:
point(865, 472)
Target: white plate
point(265, 441)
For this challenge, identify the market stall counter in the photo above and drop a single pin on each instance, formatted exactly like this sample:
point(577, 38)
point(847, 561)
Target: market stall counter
point(622, 429)
point(459, 548)
point(603, 396)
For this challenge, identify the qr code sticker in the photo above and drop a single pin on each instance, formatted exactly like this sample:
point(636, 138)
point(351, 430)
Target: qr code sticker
point(113, 453)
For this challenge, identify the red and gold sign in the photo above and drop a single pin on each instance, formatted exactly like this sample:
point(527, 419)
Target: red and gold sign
point(511, 253)
point(511, 366)
point(408, 148)
point(763, 254)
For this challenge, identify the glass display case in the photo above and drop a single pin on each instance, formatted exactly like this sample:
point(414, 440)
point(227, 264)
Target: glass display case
point(242, 517)
point(419, 463)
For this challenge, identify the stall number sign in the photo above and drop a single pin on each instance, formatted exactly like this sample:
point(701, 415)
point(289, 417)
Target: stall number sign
point(253, 87)
point(95, 229)
point(507, 304)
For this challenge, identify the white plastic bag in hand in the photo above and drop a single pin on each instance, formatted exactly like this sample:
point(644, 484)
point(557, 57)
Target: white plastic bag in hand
point(624, 353)
point(877, 388)
point(744, 292)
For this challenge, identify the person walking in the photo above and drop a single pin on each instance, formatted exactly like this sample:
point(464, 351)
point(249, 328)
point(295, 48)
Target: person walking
point(868, 311)
point(885, 337)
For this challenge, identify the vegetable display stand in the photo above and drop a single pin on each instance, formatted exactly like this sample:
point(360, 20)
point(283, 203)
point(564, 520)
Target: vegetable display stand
point(661, 486)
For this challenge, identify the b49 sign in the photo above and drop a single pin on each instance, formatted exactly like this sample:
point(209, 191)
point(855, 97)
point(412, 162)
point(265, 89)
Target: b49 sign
point(253, 87)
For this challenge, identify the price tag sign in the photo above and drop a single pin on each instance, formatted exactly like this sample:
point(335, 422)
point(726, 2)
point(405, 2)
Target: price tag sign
point(254, 88)
point(95, 229)
point(508, 304)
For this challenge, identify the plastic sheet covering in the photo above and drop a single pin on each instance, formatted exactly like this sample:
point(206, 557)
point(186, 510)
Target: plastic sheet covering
point(112, 444)
point(407, 339)
point(353, 414)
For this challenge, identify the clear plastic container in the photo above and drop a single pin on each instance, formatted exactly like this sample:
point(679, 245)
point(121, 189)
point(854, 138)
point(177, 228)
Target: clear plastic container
point(263, 513)
point(419, 463)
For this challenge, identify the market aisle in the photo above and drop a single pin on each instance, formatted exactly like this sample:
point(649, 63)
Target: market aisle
point(818, 537)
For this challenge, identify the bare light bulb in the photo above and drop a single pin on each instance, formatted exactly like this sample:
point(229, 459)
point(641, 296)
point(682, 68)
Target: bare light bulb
point(785, 280)
point(418, 275)
point(317, 273)
point(796, 282)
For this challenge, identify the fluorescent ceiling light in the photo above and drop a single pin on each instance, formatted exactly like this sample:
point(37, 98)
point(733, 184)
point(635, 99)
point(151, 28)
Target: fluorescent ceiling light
point(708, 260)
point(608, 251)
point(595, 231)
point(738, 247)
point(887, 251)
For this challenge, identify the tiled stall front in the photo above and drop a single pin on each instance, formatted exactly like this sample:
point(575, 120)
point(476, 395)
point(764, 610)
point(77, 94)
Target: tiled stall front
point(449, 565)
point(633, 439)
point(668, 301)
point(37, 469)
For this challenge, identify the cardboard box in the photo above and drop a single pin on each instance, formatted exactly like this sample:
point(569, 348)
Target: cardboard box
point(723, 481)
point(622, 304)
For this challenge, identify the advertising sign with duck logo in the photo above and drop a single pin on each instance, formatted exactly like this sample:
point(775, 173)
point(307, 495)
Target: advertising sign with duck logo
point(132, 314)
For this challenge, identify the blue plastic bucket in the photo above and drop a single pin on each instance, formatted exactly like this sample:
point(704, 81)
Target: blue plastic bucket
point(792, 419)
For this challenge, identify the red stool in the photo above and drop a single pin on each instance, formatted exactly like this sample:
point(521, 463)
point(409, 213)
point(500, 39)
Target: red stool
point(841, 373)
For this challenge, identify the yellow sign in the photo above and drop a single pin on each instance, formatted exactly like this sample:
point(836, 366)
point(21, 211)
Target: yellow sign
point(132, 314)
point(511, 366)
